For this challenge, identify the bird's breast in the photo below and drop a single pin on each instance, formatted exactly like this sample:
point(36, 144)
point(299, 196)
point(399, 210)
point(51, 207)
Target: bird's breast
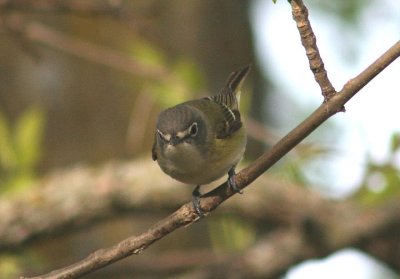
point(191, 165)
point(181, 159)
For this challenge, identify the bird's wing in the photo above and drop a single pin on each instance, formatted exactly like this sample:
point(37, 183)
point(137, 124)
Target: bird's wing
point(230, 93)
point(229, 98)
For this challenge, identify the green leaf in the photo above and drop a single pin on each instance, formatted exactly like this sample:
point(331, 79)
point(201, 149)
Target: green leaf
point(10, 266)
point(380, 183)
point(395, 142)
point(146, 53)
point(8, 157)
point(165, 95)
point(184, 80)
point(189, 74)
point(229, 233)
point(28, 137)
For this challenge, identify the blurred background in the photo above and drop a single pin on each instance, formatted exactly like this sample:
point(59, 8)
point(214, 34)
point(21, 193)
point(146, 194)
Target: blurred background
point(82, 82)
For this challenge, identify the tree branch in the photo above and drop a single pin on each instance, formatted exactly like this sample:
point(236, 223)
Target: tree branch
point(326, 110)
point(299, 217)
point(186, 215)
point(300, 15)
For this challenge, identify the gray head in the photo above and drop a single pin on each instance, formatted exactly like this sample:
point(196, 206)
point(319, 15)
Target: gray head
point(182, 123)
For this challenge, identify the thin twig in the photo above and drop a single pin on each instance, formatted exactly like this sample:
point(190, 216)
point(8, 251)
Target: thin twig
point(300, 15)
point(186, 215)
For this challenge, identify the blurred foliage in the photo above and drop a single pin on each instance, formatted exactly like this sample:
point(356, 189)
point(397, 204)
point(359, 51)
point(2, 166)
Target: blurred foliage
point(182, 78)
point(295, 167)
point(230, 233)
point(146, 53)
point(349, 23)
point(382, 180)
point(20, 149)
point(10, 266)
point(347, 11)
point(185, 80)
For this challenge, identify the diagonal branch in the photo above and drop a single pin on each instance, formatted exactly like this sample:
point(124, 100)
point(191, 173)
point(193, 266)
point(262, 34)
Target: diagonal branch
point(186, 215)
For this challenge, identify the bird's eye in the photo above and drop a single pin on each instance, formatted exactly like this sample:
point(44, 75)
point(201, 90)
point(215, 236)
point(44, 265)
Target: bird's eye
point(193, 129)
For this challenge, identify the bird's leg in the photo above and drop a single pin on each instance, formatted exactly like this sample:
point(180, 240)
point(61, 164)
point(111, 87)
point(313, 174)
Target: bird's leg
point(231, 181)
point(196, 195)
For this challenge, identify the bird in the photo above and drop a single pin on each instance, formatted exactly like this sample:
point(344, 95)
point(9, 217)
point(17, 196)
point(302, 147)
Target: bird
point(199, 141)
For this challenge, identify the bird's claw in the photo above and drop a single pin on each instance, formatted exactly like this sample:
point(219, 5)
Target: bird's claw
point(196, 195)
point(232, 183)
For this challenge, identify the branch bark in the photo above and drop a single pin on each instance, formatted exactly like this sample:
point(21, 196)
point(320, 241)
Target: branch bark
point(300, 15)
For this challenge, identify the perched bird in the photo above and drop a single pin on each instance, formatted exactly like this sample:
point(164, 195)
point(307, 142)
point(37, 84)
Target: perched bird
point(198, 141)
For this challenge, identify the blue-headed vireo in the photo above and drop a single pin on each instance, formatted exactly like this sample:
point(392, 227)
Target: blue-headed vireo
point(199, 141)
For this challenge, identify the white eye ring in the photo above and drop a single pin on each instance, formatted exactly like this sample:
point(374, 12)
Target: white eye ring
point(193, 130)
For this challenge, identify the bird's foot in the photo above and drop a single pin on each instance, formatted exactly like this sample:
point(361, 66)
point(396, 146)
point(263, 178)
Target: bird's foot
point(231, 181)
point(196, 195)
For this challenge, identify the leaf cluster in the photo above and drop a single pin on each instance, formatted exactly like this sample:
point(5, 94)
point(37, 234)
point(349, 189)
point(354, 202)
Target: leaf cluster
point(382, 179)
point(20, 149)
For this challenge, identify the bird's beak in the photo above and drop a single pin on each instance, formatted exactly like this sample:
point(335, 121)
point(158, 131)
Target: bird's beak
point(174, 140)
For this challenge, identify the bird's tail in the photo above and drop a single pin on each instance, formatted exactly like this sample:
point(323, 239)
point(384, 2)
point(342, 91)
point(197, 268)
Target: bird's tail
point(230, 93)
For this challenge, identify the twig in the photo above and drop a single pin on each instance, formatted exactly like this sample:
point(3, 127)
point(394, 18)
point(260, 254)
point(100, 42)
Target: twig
point(186, 214)
point(300, 15)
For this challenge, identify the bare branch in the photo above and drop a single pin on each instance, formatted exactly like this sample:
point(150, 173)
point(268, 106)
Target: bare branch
point(300, 15)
